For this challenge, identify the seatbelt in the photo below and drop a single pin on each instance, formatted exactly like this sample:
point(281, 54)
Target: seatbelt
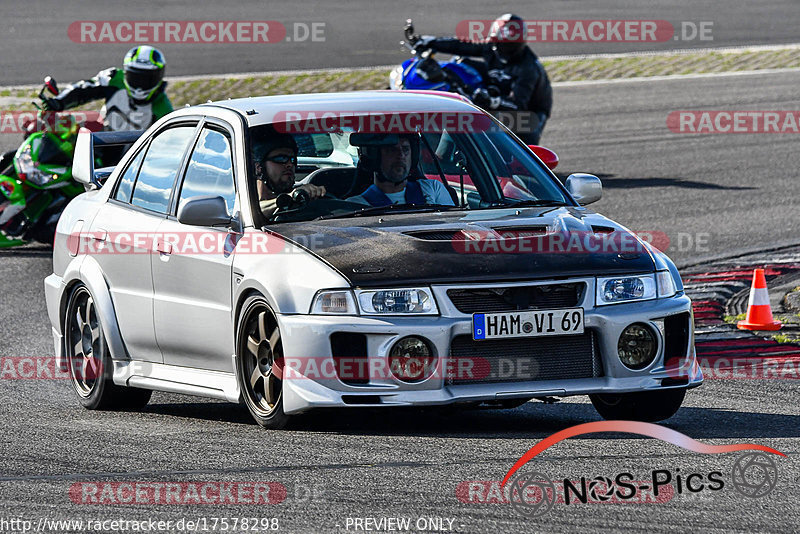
point(377, 198)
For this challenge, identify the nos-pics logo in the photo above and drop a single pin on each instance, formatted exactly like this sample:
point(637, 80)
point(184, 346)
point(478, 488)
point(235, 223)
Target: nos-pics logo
point(754, 474)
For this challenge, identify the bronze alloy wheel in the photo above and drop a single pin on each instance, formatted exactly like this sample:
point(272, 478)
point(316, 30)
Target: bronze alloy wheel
point(260, 363)
point(89, 359)
point(84, 343)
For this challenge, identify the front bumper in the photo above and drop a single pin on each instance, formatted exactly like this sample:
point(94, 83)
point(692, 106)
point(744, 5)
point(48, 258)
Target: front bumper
point(307, 337)
point(53, 291)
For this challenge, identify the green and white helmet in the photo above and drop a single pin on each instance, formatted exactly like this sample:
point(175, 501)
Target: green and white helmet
point(144, 71)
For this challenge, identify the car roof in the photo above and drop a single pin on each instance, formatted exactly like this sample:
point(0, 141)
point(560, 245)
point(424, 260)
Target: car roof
point(264, 109)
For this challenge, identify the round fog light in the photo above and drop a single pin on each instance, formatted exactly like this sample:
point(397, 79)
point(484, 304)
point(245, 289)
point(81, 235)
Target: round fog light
point(411, 360)
point(637, 346)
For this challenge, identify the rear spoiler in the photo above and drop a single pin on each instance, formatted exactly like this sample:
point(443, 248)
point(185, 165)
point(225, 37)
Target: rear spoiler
point(83, 161)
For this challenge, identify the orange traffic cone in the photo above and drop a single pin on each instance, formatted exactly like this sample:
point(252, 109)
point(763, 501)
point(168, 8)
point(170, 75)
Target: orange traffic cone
point(759, 313)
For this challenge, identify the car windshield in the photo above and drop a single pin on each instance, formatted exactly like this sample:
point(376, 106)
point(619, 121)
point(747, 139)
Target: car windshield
point(369, 172)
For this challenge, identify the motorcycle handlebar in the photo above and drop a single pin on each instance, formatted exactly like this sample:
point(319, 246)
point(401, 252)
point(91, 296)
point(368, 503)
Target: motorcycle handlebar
point(51, 85)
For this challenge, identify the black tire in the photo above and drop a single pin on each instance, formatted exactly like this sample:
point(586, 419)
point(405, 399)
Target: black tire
point(507, 404)
point(43, 233)
point(259, 363)
point(647, 406)
point(6, 161)
point(89, 359)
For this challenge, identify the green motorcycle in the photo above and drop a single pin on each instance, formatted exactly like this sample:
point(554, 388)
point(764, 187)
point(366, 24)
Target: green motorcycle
point(36, 180)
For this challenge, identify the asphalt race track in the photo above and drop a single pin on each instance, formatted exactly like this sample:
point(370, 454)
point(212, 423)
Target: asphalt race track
point(732, 192)
point(712, 195)
point(34, 40)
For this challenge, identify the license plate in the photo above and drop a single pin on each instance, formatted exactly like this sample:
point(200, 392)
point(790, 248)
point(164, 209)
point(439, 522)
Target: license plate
point(564, 321)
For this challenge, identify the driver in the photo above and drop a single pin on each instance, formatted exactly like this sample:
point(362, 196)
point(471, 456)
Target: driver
point(276, 171)
point(391, 166)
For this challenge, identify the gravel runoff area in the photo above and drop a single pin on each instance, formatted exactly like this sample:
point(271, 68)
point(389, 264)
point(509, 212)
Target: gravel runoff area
point(197, 89)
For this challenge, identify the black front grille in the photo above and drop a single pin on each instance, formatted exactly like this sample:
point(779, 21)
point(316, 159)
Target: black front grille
point(676, 336)
point(349, 351)
point(524, 359)
point(498, 299)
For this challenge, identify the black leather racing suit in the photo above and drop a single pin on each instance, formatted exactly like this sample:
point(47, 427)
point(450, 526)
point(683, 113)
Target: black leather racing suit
point(521, 80)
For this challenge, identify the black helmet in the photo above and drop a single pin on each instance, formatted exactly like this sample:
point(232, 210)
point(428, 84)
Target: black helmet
point(277, 140)
point(369, 156)
point(508, 35)
point(144, 71)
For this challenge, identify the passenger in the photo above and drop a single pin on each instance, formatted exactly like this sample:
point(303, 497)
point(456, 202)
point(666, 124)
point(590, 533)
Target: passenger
point(276, 173)
point(392, 183)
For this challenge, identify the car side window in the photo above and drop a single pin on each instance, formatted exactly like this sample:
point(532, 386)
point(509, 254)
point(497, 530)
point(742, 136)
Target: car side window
point(210, 170)
point(160, 167)
point(126, 181)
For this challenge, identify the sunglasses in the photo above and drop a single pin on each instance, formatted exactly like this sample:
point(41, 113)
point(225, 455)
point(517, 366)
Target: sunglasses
point(282, 159)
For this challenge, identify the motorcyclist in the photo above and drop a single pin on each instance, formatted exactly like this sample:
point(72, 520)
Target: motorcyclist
point(515, 78)
point(134, 96)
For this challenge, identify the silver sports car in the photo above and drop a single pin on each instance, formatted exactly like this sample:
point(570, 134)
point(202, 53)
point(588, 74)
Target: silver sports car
point(359, 249)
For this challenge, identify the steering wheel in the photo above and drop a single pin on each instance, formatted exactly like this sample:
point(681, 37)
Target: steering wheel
point(297, 201)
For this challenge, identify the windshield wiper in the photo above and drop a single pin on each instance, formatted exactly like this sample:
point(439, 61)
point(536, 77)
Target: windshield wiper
point(376, 210)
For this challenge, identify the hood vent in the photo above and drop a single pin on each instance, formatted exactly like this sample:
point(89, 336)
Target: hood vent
point(603, 229)
point(438, 235)
point(504, 232)
point(519, 232)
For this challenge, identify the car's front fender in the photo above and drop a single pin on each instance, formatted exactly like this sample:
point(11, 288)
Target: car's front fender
point(288, 275)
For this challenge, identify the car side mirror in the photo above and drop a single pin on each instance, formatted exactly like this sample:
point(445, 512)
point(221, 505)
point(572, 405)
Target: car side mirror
point(584, 188)
point(547, 156)
point(204, 211)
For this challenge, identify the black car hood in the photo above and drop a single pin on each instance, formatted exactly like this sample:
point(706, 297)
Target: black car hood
point(475, 246)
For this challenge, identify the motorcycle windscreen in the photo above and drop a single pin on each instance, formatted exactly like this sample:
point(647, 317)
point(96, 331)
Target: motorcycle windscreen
point(50, 153)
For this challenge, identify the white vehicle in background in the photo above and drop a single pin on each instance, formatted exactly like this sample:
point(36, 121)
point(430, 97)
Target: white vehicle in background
point(351, 305)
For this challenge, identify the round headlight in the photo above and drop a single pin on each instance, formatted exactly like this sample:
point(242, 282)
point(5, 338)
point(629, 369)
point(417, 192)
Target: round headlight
point(637, 346)
point(411, 360)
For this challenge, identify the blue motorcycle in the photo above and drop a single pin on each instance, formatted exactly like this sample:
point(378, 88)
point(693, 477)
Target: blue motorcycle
point(423, 72)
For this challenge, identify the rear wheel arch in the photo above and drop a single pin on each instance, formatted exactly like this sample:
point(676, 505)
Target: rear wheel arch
point(62, 308)
point(93, 278)
point(88, 357)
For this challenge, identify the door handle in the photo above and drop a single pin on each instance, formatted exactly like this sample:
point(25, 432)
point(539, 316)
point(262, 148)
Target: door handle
point(100, 237)
point(163, 247)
